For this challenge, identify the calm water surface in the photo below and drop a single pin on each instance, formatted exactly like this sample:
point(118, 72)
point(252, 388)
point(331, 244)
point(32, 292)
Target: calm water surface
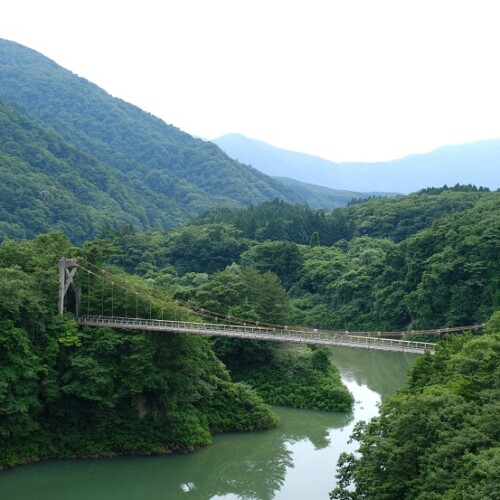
point(295, 461)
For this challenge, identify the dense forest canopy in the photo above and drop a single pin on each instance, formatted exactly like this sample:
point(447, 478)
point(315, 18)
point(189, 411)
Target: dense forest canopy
point(106, 392)
point(337, 274)
point(109, 392)
point(171, 392)
point(74, 158)
point(439, 437)
point(396, 218)
point(67, 391)
point(89, 176)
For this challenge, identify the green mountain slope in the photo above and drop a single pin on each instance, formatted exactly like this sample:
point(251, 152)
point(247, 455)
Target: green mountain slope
point(156, 173)
point(49, 184)
point(395, 218)
point(426, 260)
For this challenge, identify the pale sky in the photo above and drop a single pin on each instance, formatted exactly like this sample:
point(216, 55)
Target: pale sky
point(347, 80)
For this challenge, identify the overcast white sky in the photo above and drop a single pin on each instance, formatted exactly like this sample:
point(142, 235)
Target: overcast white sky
point(351, 80)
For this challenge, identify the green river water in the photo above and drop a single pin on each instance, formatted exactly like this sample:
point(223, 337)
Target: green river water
point(294, 461)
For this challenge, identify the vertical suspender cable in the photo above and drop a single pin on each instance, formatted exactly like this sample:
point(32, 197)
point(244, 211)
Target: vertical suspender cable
point(88, 293)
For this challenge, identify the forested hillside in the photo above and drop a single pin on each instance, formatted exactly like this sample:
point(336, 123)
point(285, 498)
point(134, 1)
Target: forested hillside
point(396, 218)
point(419, 261)
point(109, 392)
point(439, 437)
point(157, 209)
point(63, 137)
point(67, 391)
point(47, 183)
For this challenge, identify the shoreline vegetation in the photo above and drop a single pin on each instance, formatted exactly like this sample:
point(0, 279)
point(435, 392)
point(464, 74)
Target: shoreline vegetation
point(438, 437)
point(69, 392)
point(286, 374)
point(164, 212)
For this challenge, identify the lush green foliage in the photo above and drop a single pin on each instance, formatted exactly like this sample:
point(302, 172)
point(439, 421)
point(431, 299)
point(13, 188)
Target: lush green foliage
point(66, 391)
point(71, 150)
point(439, 437)
point(282, 374)
point(74, 159)
point(290, 375)
point(396, 218)
point(446, 274)
point(245, 295)
point(280, 221)
point(48, 184)
point(402, 216)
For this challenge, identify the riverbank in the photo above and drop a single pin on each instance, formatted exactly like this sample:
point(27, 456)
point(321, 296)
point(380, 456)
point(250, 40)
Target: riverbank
point(286, 373)
point(299, 377)
point(293, 461)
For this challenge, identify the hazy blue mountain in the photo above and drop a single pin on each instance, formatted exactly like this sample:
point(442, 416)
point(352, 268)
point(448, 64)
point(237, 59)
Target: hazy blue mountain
point(476, 163)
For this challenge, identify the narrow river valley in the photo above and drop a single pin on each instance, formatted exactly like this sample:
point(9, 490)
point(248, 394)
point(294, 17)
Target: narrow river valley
point(296, 460)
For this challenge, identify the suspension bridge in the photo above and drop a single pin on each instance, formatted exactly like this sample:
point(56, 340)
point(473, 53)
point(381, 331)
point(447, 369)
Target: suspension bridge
point(117, 316)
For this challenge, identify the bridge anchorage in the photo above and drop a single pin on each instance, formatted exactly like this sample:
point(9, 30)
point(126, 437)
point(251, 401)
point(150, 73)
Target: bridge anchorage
point(68, 270)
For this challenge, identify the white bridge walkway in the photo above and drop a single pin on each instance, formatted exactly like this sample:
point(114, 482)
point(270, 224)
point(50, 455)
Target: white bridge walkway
point(321, 337)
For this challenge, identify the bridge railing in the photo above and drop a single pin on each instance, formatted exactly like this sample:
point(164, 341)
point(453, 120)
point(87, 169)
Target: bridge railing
point(259, 333)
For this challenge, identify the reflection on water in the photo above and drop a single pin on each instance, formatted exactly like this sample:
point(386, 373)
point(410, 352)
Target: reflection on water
point(382, 372)
point(294, 461)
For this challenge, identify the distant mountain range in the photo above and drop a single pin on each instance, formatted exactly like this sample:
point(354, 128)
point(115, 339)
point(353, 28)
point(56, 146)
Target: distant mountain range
point(76, 159)
point(477, 163)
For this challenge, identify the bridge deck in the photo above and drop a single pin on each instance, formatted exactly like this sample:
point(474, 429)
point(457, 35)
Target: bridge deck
point(261, 333)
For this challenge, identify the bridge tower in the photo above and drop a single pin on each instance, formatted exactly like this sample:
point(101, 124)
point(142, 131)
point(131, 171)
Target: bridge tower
point(67, 272)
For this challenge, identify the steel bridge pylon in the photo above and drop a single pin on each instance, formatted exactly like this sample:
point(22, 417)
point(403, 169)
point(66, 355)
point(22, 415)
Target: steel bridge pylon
point(67, 272)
